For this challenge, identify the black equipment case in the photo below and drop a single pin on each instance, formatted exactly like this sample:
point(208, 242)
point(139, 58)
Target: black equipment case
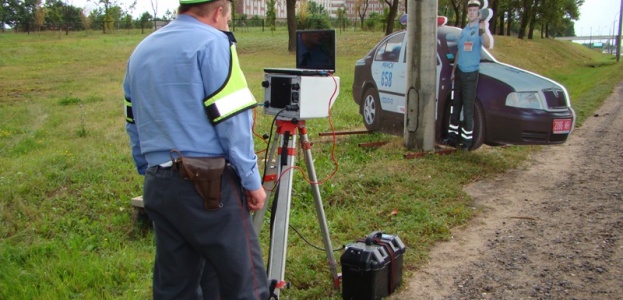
point(372, 267)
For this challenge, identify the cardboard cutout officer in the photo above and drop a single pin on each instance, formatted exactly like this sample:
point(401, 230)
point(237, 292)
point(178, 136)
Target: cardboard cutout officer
point(465, 74)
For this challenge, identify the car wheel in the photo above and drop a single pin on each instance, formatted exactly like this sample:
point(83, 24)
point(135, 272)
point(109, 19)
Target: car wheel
point(371, 110)
point(479, 127)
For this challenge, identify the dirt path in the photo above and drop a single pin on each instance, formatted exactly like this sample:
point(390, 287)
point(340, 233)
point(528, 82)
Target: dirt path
point(552, 229)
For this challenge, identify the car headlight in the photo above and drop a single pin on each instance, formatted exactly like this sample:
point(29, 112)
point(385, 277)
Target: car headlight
point(524, 100)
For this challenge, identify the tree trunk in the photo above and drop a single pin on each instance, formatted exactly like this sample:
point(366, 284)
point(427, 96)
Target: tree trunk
point(457, 15)
point(546, 30)
point(393, 10)
point(494, 5)
point(525, 18)
point(502, 23)
point(291, 15)
point(533, 20)
point(509, 25)
point(463, 17)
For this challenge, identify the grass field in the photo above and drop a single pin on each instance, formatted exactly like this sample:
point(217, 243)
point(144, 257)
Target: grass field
point(66, 222)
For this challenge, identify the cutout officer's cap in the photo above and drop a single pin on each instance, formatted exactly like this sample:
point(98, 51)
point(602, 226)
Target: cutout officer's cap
point(470, 3)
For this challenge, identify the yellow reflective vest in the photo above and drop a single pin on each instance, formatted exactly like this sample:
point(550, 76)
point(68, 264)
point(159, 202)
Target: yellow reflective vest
point(233, 96)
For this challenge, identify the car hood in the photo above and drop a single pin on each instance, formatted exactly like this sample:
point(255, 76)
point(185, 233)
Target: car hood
point(518, 79)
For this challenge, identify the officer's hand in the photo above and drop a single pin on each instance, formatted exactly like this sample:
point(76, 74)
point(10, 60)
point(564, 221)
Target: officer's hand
point(255, 199)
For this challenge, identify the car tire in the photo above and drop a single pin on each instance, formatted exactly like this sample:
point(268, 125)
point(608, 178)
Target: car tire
point(479, 126)
point(371, 110)
point(494, 144)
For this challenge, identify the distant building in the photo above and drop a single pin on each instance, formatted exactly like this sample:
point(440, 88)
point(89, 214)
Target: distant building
point(258, 7)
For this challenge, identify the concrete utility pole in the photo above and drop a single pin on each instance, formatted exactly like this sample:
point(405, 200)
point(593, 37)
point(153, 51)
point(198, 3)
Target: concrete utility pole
point(619, 34)
point(419, 131)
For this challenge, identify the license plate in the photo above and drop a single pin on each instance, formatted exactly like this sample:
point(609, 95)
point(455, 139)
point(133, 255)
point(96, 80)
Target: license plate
point(562, 126)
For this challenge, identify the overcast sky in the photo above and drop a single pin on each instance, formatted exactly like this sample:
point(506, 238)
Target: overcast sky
point(596, 16)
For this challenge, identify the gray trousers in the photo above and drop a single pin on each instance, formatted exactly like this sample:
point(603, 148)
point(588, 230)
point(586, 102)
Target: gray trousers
point(202, 254)
point(465, 85)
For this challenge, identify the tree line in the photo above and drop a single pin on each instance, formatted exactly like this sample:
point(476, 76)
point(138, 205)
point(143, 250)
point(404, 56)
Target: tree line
point(34, 15)
point(521, 17)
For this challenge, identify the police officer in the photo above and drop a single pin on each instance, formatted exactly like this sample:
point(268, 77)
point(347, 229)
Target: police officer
point(465, 77)
point(184, 90)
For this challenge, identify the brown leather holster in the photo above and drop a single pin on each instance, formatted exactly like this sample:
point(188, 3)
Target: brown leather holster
point(205, 173)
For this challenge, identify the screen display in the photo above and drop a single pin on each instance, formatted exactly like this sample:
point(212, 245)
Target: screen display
point(315, 49)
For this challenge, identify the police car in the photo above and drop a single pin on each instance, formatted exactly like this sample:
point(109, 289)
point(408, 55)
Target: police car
point(513, 106)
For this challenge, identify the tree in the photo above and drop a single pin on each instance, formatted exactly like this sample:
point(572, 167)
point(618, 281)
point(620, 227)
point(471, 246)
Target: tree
point(126, 21)
point(168, 15)
point(97, 17)
point(271, 14)
point(127, 14)
point(145, 18)
point(107, 18)
point(39, 15)
point(25, 14)
point(494, 5)
point(556, 17)
point(313, 16)
point(391, 16)
point(361, 6)
point(86, 21)
point(534, 18)
point(59, 14)
point(459, 16)
point(8, 13)
point(553, 16)
point(341, 18)
point(3, 11)
point(291, 18)
point(115, 13)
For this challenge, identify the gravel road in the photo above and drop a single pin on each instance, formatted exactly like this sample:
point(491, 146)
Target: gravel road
point(551, 229)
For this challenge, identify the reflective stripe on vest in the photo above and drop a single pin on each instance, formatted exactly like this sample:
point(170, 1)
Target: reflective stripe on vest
point(233, 96)
point(129, 114)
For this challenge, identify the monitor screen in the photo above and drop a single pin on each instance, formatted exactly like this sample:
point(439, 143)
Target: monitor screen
point(315, 49)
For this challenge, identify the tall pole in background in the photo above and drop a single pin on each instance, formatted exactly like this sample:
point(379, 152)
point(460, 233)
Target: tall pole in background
point(419, 129)
point(619, 34)
point(612, 42)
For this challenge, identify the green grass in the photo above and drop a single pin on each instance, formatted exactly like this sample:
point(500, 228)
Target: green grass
point(66, 224)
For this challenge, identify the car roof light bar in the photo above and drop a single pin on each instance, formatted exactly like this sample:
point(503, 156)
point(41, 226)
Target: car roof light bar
point(441, 20)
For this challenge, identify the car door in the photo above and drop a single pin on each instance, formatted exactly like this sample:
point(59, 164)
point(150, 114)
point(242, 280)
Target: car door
point(389, 73)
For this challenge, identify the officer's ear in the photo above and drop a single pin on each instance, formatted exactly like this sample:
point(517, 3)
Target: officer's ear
point(219, 18)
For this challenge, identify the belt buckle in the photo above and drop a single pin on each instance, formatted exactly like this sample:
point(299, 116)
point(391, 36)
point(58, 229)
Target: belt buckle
point(166, 164)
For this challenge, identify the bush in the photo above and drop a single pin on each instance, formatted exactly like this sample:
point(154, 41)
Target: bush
point(314, 21)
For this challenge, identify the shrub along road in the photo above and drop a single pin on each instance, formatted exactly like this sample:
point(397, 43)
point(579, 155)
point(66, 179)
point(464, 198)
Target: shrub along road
point(552, 229)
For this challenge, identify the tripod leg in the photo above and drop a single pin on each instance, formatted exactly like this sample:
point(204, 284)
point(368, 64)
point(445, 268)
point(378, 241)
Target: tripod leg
point(322, 220)
point(270, 184)
point(281, 208)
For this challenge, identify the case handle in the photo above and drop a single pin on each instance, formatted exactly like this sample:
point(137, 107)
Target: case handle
point(375, 235)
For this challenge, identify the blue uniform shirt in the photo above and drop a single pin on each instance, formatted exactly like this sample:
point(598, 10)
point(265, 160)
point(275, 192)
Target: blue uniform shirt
point(168, 76)
point(469, 55)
